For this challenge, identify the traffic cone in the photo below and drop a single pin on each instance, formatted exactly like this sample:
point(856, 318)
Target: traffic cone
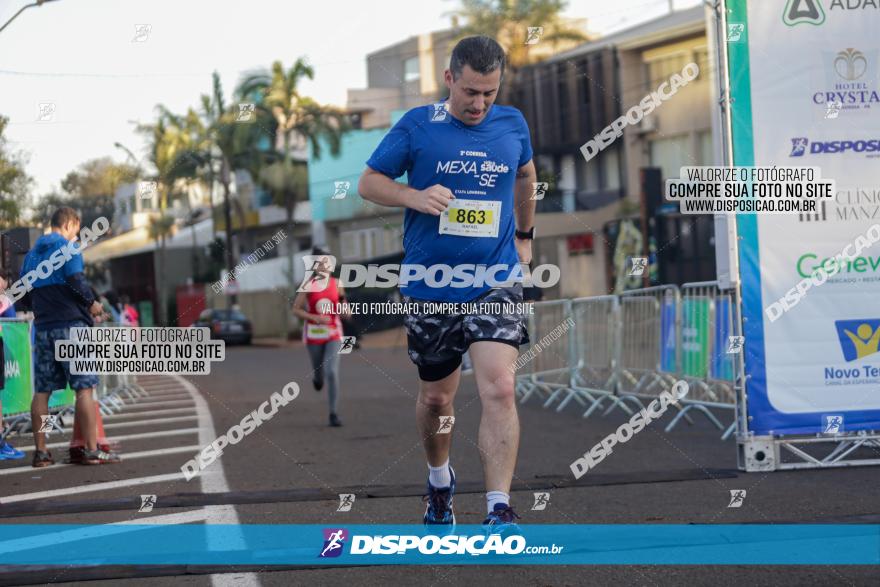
point(79, 441)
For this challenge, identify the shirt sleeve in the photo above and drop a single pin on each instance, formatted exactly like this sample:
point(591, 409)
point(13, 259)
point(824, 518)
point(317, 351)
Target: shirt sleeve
point(73, 275)
point(526, 141)
point(393, 155)
point(74, 265)
point(82, 291)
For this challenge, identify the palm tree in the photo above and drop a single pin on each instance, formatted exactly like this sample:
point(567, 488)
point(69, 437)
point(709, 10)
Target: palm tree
point(231, 145)
point(508, 22)
point(169, 141)
point(276, 93)
point(288, 183)
point(188, 165)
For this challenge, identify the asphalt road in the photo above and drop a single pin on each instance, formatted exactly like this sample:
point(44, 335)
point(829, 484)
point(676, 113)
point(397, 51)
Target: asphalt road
point(292, 467)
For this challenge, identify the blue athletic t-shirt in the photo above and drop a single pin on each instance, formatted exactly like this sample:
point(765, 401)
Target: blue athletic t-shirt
point(478, 164)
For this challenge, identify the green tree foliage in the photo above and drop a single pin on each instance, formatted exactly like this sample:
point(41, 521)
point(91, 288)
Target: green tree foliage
point(14, 181)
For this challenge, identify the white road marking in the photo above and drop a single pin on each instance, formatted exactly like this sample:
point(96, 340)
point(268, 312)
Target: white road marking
point(165, 392)
point(214, 481)
point(98, 531)
point(150, 413)
point(154, 399)
point(121, 425)
point(159, 403)
point(125, 457)
point(158, 434)
point(90, 488)
point(157, 421)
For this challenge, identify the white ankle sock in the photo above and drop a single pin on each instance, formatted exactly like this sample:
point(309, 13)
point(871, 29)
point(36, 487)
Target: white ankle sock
point(439, 477)
point(493, 497)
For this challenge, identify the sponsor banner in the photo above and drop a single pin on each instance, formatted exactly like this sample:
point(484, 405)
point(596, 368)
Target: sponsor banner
point(805, 93)
point(18, 390)
point(668, 344)
point(288, 544)
point(695, 325)
point(722, 361)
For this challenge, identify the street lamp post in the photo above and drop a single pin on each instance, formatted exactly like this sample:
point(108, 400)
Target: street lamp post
point(22, 9)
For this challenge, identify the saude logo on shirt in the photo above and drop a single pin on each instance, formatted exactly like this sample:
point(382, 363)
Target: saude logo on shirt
point(487, 175)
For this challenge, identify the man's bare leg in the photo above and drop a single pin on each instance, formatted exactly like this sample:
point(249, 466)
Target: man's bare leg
point(39, 408)
point(499, 424)
point(85, 417)
point(435, 400)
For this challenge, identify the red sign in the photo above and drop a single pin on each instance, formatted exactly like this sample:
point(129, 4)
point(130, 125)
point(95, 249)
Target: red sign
point(580, 244)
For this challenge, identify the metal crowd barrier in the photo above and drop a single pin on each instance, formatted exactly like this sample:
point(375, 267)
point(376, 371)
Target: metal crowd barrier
point(594, 354)
point(629, 348)
point(548, 373)
point(709, 358)
point(647, 325)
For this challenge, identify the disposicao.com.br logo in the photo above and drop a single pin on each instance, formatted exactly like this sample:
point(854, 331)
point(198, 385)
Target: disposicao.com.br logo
point(351, 275)
point(429, 544)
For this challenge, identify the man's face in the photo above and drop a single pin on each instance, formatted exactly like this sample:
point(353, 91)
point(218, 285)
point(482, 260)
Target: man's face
point(471, 95)
point(70, 230)
point(3, 284)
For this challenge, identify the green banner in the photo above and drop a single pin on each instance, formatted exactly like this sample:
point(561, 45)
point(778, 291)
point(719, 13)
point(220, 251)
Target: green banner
point(18, 387)
point(695, 317)
point(145, 314)
point(62, 397)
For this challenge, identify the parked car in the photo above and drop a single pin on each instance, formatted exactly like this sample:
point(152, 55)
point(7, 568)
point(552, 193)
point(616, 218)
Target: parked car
point(228, 325)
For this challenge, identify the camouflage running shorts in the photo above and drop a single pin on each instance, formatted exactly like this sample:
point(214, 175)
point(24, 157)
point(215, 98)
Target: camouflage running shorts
point(436, 341)
point(52, 375)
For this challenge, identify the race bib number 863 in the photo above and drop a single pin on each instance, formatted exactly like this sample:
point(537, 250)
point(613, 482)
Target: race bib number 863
point(476, 218)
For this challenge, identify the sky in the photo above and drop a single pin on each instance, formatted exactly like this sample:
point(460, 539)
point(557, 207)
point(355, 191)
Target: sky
point(86, 58)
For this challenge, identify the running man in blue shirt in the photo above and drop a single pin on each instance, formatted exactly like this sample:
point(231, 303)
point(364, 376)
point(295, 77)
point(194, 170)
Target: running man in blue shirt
point(468, 204)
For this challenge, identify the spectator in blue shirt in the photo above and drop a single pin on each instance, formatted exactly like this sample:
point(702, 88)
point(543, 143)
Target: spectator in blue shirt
point(62, 301)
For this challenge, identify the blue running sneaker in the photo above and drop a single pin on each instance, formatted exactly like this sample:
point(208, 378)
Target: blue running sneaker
point(9, 452)
point(439, 509)
point(501, 521)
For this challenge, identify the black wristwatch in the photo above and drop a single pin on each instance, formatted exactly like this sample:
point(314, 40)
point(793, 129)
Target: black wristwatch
point(526, 234)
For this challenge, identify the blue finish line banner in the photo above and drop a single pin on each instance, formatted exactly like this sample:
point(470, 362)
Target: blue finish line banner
point(801, 544)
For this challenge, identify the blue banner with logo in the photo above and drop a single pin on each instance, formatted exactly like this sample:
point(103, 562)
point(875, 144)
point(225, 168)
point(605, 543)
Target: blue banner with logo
point(722, 361)
point(668, 343)
point(810, 281)
point(285, 544)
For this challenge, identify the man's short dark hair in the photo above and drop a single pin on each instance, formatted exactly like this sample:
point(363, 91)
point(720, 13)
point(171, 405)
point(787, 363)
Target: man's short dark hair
point(481, 53)
point(64, 215)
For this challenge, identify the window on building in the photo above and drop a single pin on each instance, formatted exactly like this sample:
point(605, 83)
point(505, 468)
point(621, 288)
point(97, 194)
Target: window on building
point(706, 147)
point(349, 245)
point(563, 115)
point(660, 70)
point(670, 154)
point(411, 69)
point(587, 175)
point(701, 57)
point(610, 169)
point(584, 76)
point(367, 243)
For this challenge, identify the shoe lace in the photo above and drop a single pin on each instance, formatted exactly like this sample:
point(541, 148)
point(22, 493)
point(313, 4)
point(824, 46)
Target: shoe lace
point(439, 501)
point(506, 515)
point(98, 454)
